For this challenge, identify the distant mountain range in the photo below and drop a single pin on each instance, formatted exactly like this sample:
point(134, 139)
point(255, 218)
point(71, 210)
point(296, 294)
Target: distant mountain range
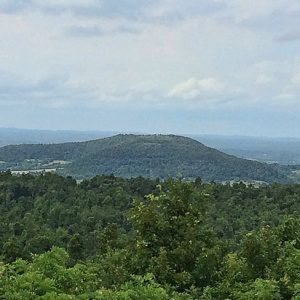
point(138, 155)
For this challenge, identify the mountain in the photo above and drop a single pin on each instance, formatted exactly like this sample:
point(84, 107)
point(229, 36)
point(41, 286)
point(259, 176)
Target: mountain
point(134, 155)
point(283, 151)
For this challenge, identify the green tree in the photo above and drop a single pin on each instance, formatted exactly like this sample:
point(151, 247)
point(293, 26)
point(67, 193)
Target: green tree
point(171, 237)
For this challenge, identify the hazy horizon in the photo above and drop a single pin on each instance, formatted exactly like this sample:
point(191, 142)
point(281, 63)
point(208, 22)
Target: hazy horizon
point(115, 132)
point(217, 67)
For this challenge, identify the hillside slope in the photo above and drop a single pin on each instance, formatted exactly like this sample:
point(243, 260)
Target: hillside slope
point(134, 155)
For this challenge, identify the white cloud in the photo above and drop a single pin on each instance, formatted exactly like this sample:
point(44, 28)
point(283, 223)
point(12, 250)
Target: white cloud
point(65, 2)
point(263, 79)
point(290, 36)
point(246, 9)
point(296, 80)
point(286, 96)
point(289, 93)
point(194, 87)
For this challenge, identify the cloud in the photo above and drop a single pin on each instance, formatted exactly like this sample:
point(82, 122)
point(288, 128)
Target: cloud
point(64, 2)
point(296, 80)
point(84, 31)
point(286, 96)
point(53, 91)
point(289, 36)
point(289, 93)
point(60, 91)
point(263, 79)
point(243, 10)
point(16, 6)
point(193, 93)
point(7, 6)
point(194, 87)
point(96, 31)
point(87, 8)
point(145, 11)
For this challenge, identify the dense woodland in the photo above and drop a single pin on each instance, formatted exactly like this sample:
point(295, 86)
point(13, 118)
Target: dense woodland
point(131, 155)
point(115, 238)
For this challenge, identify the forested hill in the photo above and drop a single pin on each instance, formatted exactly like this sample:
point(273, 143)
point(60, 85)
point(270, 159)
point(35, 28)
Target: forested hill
point(135, 155)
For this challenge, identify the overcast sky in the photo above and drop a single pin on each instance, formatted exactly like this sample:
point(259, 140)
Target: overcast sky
point(165, 66)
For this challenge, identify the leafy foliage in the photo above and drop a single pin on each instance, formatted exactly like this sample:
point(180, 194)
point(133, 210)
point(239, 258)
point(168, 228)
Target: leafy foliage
point(114, 238)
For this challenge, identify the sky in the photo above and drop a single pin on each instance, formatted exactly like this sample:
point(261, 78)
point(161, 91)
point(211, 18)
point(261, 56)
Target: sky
point(161, 66)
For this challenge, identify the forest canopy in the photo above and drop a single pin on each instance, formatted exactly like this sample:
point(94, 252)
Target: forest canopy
point(116, 238)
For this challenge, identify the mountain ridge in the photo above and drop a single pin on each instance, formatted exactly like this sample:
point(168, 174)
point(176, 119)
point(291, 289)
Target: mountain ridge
point(131, 155)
